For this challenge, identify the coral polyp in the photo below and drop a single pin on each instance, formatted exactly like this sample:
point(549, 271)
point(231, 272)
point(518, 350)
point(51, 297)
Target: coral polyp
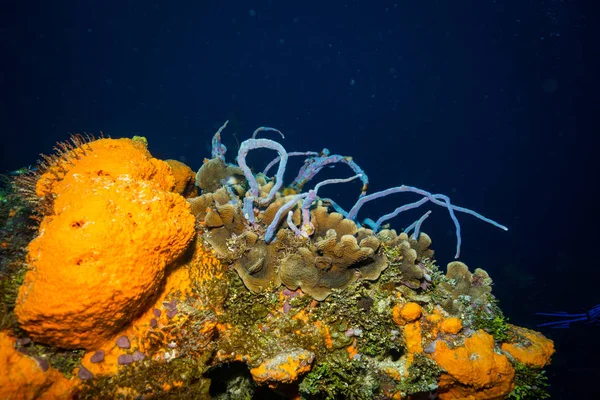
point(143, 280)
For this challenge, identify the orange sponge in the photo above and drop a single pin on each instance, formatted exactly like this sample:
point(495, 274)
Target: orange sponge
point(452, 325)
point(408, 312)
point(474, 370)
point(283, 368)
point(22, 377)
point(111, 158)
point(102, 256)
point(532, 348)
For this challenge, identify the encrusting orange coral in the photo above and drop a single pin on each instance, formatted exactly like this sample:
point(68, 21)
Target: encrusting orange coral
point(283, 368)
point(451, 325)
point(409, 312)
point(22, 377)
point(474, 370)
point(413, 338)
point(177, 282)
point(534, 351)
point(102, 255)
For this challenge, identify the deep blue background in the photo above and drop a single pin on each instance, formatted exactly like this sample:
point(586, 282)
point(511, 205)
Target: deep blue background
point(494, 103)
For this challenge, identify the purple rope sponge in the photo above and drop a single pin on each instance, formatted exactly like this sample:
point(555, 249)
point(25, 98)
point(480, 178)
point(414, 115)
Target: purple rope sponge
point(438, 199)
point(253, 144)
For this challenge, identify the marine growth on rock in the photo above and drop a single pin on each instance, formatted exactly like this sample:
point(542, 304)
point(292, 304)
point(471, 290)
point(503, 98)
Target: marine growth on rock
point(137, 278)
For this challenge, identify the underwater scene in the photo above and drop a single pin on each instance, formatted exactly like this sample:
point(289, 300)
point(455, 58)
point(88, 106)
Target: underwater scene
point(267, 200)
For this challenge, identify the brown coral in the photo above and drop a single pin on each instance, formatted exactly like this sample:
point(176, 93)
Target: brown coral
point(332, 262)
point(184, 178)
point(258, 267)
point(461, 282)
point(406, 253)
point(213, 172)
point(223, 225)
point(338, 254)
point(323, 220)
point(201, 205)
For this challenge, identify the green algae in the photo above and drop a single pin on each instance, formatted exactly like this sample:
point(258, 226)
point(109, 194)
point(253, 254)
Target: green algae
point(262, 325)
point(140, 139)
point(17, 229)
point(65, 361)
point(148, 378)
point(244, 308)
point(365, 306)
point(423, 375)
point(339, 378)
point(489, 317)
point(530, 383)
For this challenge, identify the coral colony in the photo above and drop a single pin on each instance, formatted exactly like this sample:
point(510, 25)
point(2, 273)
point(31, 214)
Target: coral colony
point(138, 278)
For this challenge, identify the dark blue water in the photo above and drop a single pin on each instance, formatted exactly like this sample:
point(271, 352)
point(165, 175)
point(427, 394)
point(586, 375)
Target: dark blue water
point(494, 103)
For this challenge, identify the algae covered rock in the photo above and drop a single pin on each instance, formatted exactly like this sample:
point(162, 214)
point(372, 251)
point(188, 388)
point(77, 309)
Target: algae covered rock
point(224, 295)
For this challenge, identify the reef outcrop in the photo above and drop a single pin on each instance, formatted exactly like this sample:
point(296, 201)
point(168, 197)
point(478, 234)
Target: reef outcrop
point(138, 285)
